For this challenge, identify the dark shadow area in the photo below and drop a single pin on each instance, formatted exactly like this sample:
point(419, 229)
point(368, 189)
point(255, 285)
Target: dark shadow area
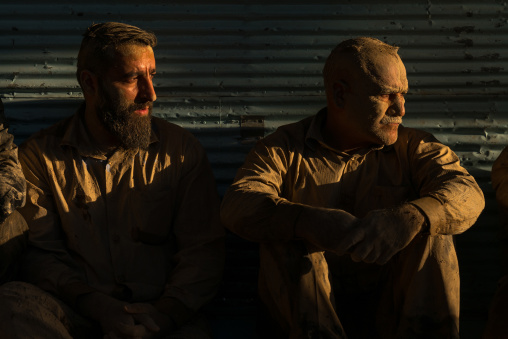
point(233, 310)
point(13, 242)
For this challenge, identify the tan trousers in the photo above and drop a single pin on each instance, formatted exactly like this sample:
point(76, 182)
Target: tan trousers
point(313, 295)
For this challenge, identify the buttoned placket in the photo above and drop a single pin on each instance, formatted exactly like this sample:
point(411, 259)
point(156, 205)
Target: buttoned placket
point(115, 238)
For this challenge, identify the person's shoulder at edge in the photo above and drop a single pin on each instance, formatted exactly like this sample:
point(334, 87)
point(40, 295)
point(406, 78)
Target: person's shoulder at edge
point(290, 135)
point(50, 134)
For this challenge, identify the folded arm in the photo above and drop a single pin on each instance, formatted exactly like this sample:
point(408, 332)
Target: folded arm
point(254, 208)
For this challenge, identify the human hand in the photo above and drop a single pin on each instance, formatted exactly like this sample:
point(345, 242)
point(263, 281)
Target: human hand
point(324, 228)
point(146, 314)
point(382, 233)
point(122, 320)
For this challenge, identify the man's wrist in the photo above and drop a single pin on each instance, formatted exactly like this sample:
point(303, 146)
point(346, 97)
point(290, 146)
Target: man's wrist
point(423, 222)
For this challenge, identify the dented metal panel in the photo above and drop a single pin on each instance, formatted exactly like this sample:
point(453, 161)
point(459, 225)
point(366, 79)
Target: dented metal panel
point(235, 71)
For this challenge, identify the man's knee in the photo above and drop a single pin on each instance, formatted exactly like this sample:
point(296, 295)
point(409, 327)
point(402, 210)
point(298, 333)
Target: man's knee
point(13, 242)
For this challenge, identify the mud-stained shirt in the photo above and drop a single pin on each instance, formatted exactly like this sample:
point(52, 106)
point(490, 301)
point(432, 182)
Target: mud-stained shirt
point(293, 169)
point(12, 181)
point(139, 225)
point(295, 165)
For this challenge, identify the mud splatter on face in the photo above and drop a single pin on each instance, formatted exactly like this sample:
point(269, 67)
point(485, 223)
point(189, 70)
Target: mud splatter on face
point(369, 102)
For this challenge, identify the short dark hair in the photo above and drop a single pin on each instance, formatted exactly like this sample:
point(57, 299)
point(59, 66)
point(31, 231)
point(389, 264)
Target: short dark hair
point(100, 41)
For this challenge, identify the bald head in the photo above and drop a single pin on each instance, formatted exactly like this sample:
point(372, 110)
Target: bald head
point(359, 61)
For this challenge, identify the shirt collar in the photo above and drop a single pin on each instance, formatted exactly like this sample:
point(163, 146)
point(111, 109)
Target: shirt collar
point(314, 136)
point(78, 136)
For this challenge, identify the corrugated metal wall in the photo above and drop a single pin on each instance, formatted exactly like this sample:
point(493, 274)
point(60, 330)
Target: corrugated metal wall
point(232, 71)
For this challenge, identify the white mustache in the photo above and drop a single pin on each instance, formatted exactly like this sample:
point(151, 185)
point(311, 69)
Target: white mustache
point(391, 120)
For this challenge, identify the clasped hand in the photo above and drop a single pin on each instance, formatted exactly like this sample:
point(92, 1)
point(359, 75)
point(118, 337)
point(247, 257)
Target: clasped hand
point(381, 234)
point(133, 321)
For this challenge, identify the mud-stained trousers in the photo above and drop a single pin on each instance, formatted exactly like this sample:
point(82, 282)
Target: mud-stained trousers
point(27, 311)
point(311, 294)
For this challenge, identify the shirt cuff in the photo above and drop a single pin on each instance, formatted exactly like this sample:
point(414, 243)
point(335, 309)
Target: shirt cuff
point(433, 211)
point(175, 309)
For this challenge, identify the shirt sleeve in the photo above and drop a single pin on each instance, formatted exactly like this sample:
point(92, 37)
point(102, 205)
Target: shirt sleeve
point(450, 198)
point(199, 259)
point(12, 183)
point(254, 207)
point(48, 263)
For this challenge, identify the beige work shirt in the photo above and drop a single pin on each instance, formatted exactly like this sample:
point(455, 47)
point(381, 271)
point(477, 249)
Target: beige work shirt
point(139, 225)
point(293, 169)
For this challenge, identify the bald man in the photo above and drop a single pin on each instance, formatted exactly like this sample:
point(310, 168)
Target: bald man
point(355, 213)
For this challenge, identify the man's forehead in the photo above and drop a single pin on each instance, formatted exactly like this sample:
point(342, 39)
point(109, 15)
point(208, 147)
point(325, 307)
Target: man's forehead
point(131, 55)
point(385, 74)
point(133, 49)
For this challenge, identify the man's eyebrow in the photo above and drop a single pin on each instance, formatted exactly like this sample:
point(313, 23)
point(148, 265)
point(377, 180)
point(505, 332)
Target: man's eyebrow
point(136, 73)
point(392, 90)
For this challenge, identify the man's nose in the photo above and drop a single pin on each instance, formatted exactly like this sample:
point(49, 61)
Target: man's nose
point(398, 106)
point(146, 90)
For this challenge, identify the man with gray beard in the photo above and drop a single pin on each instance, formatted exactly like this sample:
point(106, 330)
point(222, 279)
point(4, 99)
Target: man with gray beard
point(124, 232)
point(355, 213)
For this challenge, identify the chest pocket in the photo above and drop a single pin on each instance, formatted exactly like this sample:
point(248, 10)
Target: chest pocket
point(151, 216)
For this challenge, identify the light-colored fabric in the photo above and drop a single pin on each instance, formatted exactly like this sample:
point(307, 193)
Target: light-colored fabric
point(12, 181)
point(27, 311)
point(293, 169)
point(138, 225)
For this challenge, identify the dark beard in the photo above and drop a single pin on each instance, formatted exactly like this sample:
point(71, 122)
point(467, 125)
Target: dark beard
point(133, 131)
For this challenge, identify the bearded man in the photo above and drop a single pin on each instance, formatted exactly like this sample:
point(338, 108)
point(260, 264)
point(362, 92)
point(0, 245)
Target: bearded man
point(355, 213)
point(125, 239)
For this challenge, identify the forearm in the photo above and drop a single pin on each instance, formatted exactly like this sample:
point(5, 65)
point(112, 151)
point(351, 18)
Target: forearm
point(311, 218)
point(449, 196)
point(53, 273)
point(453, 210)
point(258, 216)
point(263, 218)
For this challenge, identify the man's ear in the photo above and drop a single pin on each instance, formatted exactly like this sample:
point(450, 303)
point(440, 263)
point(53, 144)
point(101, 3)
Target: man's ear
point(89, 81)
point(339, 89)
